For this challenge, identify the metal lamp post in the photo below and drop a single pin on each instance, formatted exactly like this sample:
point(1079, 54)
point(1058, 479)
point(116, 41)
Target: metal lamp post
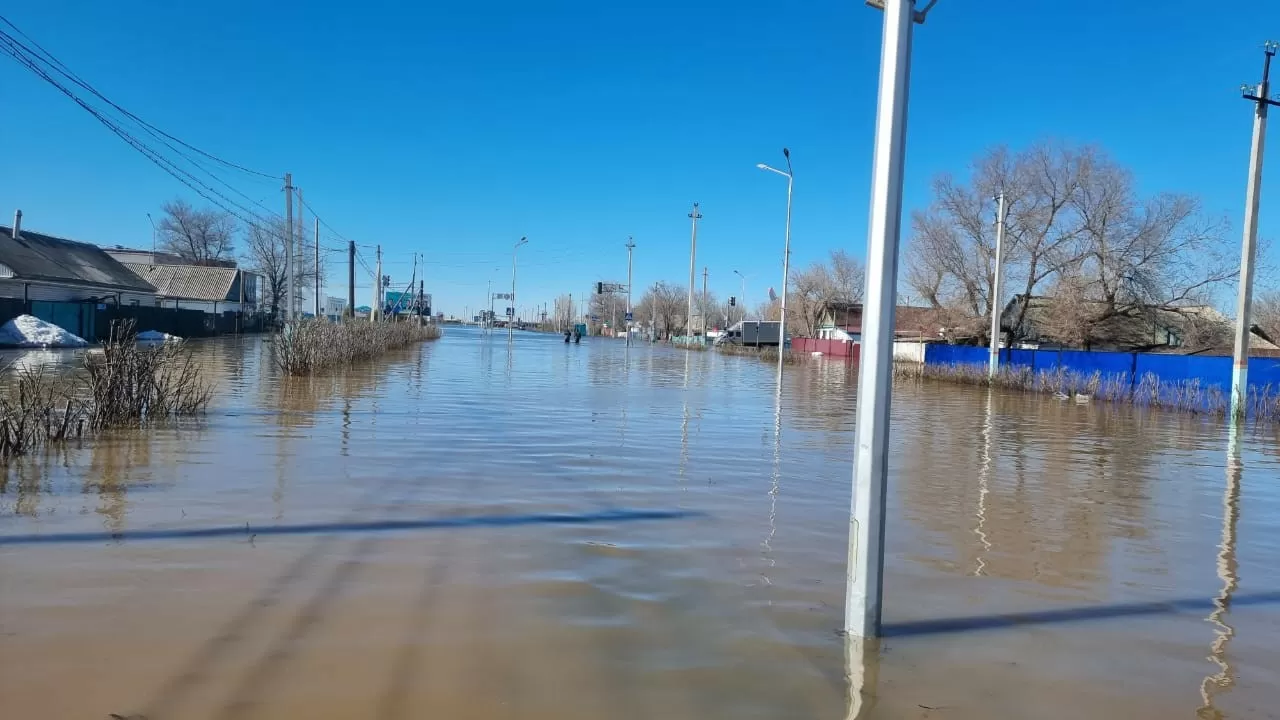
point(786, 255)
point(511, 319)
point(743, 297)
point(865, 572)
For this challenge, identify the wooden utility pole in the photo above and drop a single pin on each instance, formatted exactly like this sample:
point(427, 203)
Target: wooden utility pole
point(351, 278)
point(297, 254)
point(288, 243)
point(317, 267)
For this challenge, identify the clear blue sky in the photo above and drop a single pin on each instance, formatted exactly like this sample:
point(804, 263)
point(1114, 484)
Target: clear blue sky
point(453, 129)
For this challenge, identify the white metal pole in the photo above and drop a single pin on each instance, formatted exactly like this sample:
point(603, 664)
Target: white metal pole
point(511, 321)
point(488, 322)
point(875, 374)
point(786, 270)
point(993, 360)
point(1249, 251)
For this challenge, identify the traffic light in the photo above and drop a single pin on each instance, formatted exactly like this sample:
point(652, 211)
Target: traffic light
point(733, 301)
point(599, 288)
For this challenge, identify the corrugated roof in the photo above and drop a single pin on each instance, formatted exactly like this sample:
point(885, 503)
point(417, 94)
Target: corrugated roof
point(36, 256)
point(191, 282)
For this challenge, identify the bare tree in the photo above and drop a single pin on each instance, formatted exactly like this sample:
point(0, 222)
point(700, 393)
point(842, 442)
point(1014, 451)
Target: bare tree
point(841, 279)
point(564, 316)
point(202, 237)
point(1266, 314)
point(265, 254)
point(609, 309)
point(666, 305)
point(1071, 212)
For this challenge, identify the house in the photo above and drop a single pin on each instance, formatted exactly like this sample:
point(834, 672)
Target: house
point(841, 320)
point(214, 290)
point(62, 281)
point(1190, 329)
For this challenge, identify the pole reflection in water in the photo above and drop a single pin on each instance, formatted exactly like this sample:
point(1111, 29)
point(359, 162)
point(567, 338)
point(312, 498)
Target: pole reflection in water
point(774, 485)
point(984, 479)
point(1228, 571)
point(862, 670)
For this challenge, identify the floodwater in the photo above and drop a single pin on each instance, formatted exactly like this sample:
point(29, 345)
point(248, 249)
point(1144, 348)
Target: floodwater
point(484, 529)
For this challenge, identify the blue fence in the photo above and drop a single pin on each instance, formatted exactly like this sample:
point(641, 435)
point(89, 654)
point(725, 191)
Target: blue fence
point(1209, 370)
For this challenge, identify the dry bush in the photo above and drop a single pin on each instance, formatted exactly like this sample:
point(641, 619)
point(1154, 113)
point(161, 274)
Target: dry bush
point(766, 354)
point(39, 408)
point(310, 345)
point(130, 384)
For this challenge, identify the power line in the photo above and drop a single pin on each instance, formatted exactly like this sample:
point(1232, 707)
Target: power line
point(58, 65)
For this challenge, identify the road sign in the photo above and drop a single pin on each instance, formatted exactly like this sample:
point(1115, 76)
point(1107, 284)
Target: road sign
point(511, 312)
point(628, 317)
point(595, 318)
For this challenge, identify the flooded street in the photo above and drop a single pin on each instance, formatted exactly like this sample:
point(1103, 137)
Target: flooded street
point(483, 529)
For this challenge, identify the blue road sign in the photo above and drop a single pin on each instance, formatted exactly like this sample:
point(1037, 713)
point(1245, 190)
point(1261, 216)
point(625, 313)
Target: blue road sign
point(629, 318)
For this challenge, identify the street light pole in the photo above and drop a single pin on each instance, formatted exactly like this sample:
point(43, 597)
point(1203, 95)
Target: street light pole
point(865, 572)
point(693, 252)
point(511, 321)
point(1260, 95)
point(786, 256)
point(631, 245)
point(742, 299)
point(993, 360)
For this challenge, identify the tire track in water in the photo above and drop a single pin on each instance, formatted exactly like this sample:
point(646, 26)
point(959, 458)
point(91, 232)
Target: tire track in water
point(258, 679)
point(394, 703)
point(237, 629)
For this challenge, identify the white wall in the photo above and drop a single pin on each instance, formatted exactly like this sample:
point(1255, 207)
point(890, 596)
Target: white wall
point(908, 351)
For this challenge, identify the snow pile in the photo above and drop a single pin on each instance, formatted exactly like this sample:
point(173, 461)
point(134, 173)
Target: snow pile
point(157, 336)
point(30, 331)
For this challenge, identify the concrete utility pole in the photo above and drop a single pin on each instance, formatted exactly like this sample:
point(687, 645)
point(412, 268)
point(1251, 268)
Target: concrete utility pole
point(488, 322)
point(351, 278)
point(693, 253)
point(704, 303)
point(297, 254)
point(864, 587)
point(317, 267)
point(993, 363)
point(375, 312)
point(1261, 98)
point(631, 245)
point(288, 244)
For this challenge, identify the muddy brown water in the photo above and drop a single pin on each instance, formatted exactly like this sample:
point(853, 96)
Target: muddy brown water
point(478, 529)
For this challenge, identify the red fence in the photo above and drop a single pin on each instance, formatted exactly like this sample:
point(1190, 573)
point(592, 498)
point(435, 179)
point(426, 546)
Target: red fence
point(834, 348)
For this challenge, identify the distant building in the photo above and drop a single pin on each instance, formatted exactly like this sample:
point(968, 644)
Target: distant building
point(213, 290)
point(334, 307)
point(843, 321)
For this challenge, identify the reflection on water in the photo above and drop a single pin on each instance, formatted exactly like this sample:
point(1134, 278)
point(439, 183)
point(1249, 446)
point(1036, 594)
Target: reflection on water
point(1228, 572)
point(584, 531)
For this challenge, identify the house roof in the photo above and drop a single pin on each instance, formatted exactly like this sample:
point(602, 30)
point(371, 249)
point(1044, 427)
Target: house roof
point(1144, 327)
point(36, 256)
point(907, 320)
point(191, 282)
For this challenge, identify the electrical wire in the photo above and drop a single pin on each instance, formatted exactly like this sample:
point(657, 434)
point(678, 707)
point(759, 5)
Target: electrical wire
point(58, 65)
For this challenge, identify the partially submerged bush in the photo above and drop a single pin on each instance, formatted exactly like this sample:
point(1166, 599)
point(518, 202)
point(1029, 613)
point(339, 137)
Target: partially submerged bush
point(125, 384)
point(767, 353)
point(39, 408)
point(1189, 396)
point(310, 345)
point(131, 383)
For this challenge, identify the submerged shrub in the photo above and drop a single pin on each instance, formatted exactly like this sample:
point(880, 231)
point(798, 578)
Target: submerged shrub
point(310, 345)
